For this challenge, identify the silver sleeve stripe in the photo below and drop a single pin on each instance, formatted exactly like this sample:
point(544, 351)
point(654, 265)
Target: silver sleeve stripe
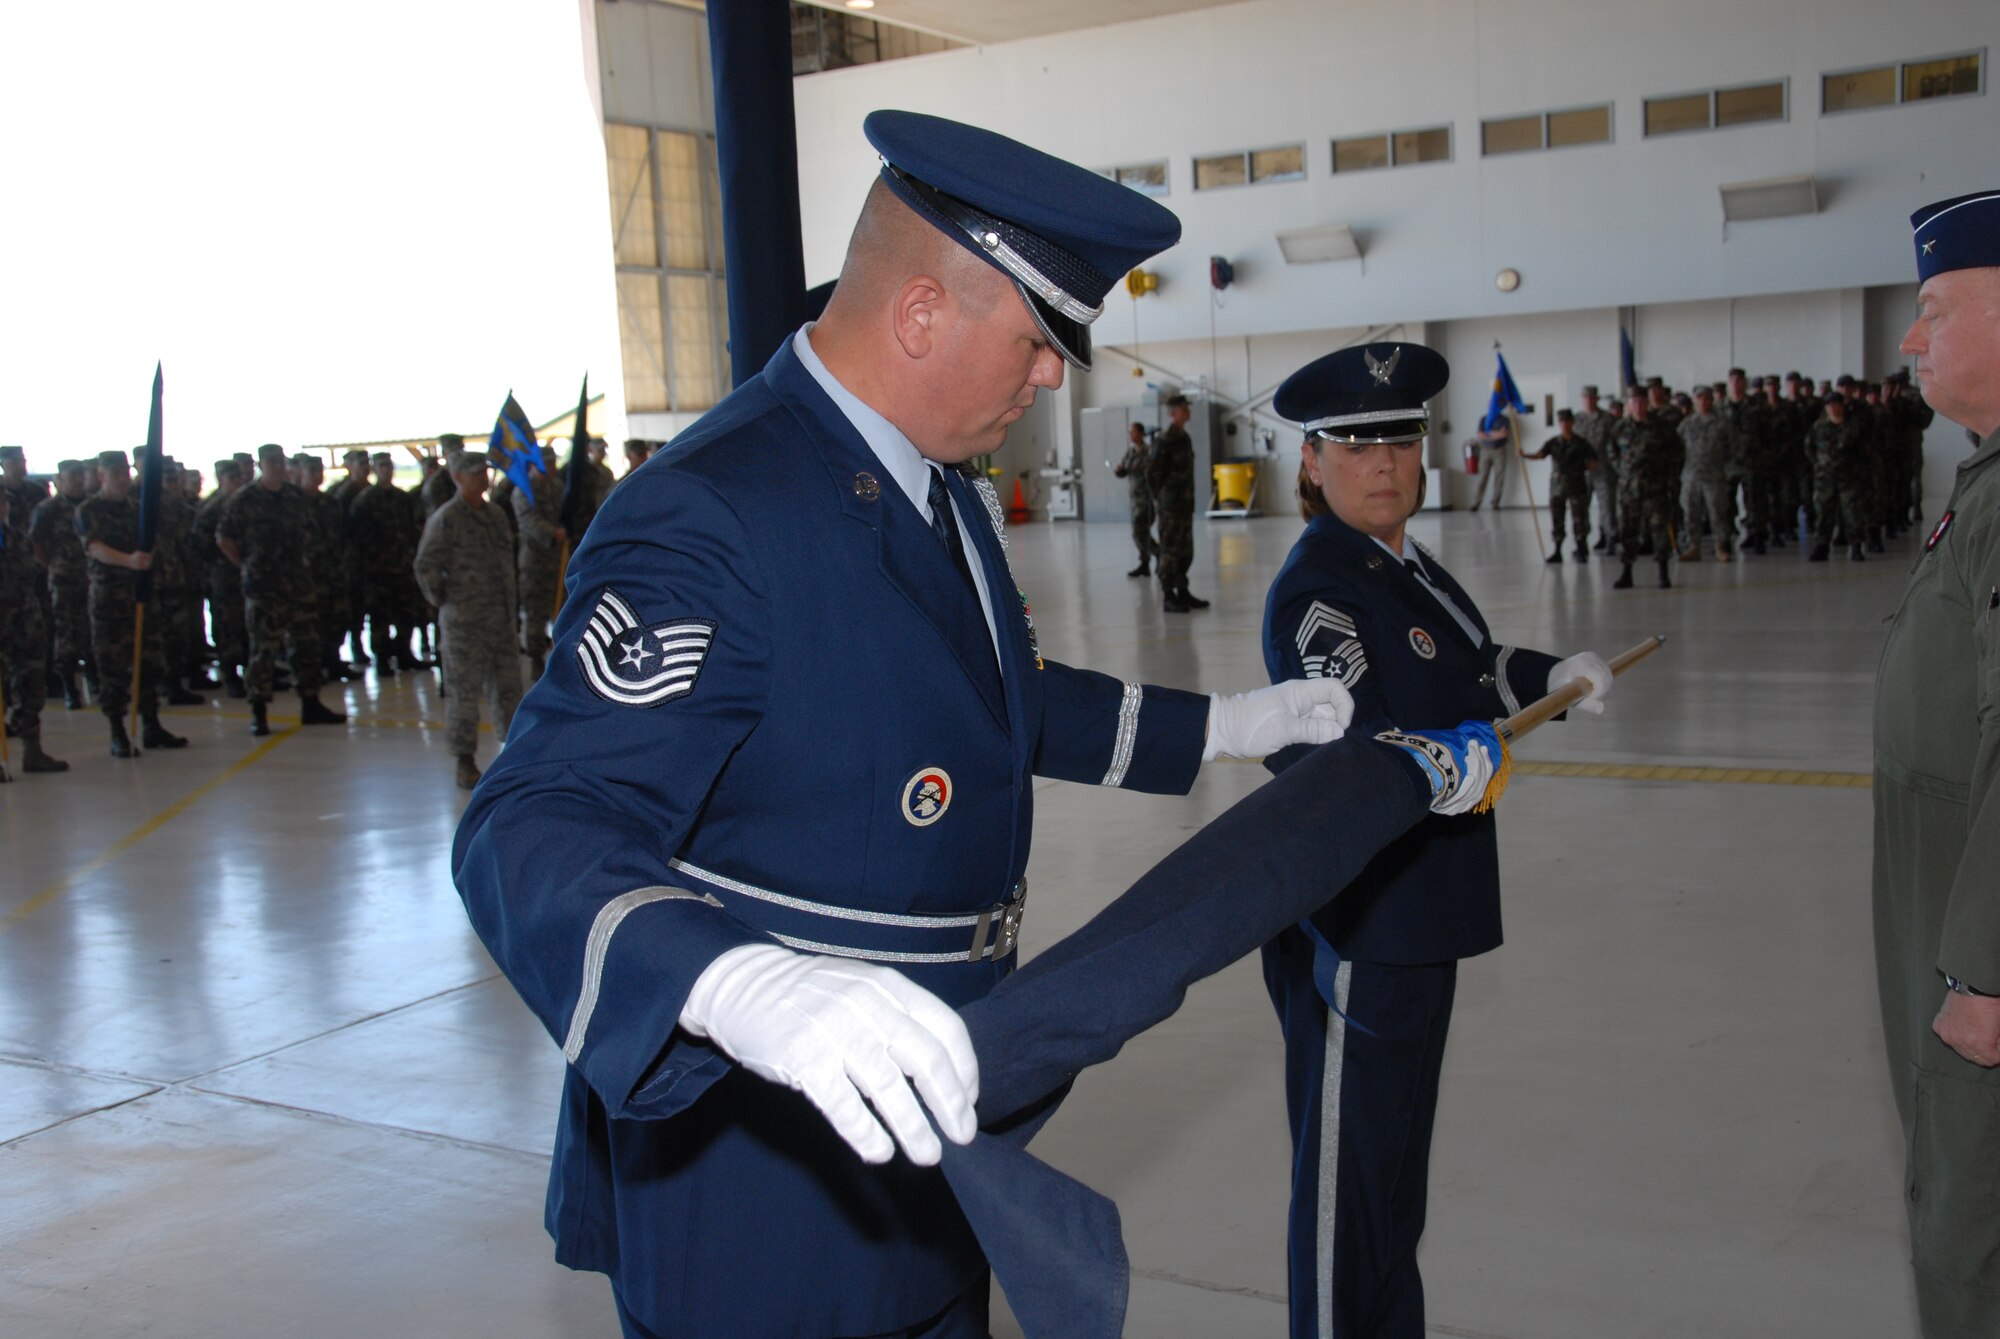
point(1128, 736)
point(609, 917)
point(1323, 616)
point(826, 909)
point(1507, 698)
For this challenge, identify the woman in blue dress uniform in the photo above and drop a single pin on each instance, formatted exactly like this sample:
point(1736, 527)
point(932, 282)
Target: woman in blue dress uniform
point(1364, 987)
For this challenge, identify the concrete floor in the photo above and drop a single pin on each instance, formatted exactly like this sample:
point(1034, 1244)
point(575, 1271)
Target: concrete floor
point(257, 1078)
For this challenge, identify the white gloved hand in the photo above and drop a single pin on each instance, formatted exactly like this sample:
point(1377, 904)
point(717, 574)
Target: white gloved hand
point(1475, 773)
point(1297, 711)
point(1457, 763)
point(839, 1030)
point(1584, 665)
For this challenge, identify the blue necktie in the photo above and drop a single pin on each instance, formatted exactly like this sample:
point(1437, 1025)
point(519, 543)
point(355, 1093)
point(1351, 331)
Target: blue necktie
point(946, 526)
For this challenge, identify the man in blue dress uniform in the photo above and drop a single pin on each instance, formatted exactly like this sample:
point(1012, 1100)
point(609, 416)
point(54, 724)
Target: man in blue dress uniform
point(762, 825)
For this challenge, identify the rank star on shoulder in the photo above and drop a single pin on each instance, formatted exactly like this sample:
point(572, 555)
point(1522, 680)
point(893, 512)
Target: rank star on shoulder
point(636, 654)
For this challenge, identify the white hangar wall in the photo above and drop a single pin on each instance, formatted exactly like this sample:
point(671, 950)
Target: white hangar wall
point(1633, 223)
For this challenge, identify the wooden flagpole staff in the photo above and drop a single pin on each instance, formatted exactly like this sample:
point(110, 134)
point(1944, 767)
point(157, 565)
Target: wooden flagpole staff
point(1546, 709)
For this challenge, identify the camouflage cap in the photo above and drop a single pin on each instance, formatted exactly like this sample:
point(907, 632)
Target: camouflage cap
point(13, 453)
point(1565, 416)
point(269, 450)
point(464, 462)
point(1590, 392)
point(353, 453)
point(71, 466)
point(384, 458)
point(228, 469)
point(449, 442)
point(112, 460)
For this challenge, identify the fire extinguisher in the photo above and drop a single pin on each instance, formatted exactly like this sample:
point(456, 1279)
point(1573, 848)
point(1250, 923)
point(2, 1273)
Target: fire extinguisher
point(1471, 457)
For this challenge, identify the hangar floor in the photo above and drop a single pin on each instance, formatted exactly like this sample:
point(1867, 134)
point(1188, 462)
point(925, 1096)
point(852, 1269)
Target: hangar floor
point(257, 1078)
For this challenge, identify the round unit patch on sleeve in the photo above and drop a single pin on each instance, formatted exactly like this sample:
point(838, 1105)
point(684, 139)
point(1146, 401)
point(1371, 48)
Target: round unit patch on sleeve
point(926, 796)
point(637, 666)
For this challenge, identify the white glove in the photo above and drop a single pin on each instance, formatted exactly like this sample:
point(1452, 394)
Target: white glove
point(1457, 763)
point(1475, 773)
point(1297, 711)
point(1584, 665)
point(839, 1030)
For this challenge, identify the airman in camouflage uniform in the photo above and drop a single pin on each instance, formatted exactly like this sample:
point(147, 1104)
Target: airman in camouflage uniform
point(465, 564)
point(1597, 427)
point(23, 643)
point(344, 491)
point(1839, 462)
point(1132, 465)
point(267, 530)
point(1574, 462)
point(1912, 416)
point(20, 496)
point(225, 585)
point(326, 564)
point(1646, 448)
point(52, 530)
point(174, 574)
point(1747, 475)
point(542, 540)
point(1709, 443)
point(386, 525)
point(1170, 476)
point(108, 524)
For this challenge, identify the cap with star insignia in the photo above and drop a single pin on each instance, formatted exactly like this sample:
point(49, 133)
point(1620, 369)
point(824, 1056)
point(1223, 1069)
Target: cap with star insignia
point(1062, 233)
point(1368, 393)
point(1962, 233)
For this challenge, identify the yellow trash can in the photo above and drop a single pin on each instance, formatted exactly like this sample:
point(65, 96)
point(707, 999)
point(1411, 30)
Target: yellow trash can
point(1235, 485)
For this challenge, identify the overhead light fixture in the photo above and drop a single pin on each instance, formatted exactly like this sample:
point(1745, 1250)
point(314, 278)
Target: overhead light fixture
point(1780, 197)
point(1310, 246)
point(861, 4)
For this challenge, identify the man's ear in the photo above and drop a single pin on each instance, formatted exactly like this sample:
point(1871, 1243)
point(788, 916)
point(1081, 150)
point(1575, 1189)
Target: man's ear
point(914, 318)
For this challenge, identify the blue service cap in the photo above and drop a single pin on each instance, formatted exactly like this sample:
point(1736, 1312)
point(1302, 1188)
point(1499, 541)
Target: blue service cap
point(1062, 233)
point(1962, 233)
point(1370, 393)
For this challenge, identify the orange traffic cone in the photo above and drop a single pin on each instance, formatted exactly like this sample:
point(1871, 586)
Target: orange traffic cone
point(1017, 514)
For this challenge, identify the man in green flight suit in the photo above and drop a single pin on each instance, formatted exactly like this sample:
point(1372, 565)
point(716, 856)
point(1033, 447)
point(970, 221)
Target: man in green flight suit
point(1937, 805)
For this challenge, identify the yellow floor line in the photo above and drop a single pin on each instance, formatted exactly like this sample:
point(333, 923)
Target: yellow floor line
point(1735, 776)
point(140, 833)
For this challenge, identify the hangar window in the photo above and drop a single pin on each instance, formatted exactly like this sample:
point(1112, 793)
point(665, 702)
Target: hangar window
point(1283, 163)
point(1721, 107)
point(1948, 77)
point(1431, 145)
point(1397, 148)
point(1145, 178)
point(1546, 130)
point(666, 221)
point(1361, 153)
point(1912, 81)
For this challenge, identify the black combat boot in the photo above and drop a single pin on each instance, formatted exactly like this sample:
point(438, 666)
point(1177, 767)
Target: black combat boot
point(1142, 570)
point(1854, 554)
point(260, 724)
point(1557, 556)
point(121, 743)
point(156, 736)
point(1582, 555)
point(232, 682)
point(1603, 544)
point(1174, 604)
point(34, 760)
point(1819, 553)
point(1190, 599)
point(313, 712)
point(1624, 581)
point(1875, 544)
point(468, 772)
point(72, 692)
point(1666, 582)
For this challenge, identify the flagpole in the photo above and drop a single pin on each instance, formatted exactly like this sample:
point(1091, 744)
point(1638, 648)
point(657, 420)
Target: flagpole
point(1534, 512)
point(138, 658)
point(562, 575)
point(5, 774)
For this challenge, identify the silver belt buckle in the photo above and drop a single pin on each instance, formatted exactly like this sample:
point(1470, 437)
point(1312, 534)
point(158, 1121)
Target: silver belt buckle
point(1010, 923)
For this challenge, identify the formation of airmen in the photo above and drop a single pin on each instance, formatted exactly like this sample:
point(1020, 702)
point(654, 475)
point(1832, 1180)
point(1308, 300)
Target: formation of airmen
point(272, 580)
point(1747, 463)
